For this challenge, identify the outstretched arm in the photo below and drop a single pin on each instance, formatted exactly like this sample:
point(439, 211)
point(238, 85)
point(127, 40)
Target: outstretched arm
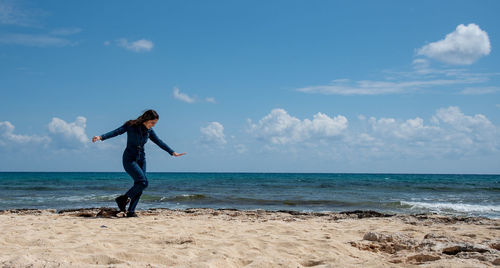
point(113, 133)
point(161, 144)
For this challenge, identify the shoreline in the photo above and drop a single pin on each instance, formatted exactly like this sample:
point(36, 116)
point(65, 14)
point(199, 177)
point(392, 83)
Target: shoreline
point(360, 213)
point(205, 237)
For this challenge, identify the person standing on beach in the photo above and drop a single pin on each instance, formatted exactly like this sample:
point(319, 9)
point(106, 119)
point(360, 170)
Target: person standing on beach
point(134, 161)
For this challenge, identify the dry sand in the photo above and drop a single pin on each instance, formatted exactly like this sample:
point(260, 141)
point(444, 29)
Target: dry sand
point(230, 238)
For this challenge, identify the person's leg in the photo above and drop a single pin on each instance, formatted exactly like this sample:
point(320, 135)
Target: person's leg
point(133, 202)
point(143, 183)
point(128, 165)
point(140, 181)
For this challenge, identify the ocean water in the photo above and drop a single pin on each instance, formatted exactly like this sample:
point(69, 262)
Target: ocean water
point(466, 195)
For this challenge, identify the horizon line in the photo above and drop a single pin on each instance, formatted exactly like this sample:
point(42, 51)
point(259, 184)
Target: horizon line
point(260, 172)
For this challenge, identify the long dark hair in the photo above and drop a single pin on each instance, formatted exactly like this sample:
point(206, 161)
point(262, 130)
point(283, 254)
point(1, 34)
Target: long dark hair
point(147, 115)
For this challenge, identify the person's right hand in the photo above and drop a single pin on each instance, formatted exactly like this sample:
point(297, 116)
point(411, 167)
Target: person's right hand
point(96, 138)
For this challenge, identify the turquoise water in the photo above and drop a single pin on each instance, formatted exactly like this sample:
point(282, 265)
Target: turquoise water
point(473, 195)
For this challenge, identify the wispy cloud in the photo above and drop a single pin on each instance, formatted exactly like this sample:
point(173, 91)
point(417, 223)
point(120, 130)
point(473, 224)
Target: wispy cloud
point(210, 99)
point(479, 90)
point(422, 69)
point(65, 31)
point(182, 96)
point(15, 14)
point(463, 46)
point(190, 99)
point(141, 45)
point(370, 87)
point(35, 40)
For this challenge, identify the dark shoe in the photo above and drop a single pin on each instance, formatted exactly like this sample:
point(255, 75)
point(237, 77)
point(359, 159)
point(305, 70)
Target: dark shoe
point(131, 214)
point(122, 202)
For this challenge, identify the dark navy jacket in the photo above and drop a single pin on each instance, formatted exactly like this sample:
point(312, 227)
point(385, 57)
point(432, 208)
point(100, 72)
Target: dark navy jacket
point(137, 136)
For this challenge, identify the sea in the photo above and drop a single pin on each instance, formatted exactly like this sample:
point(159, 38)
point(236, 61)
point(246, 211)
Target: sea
point(453, 194)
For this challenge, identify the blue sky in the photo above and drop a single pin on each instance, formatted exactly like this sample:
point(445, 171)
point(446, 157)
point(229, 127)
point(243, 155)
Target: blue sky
point(253, 86)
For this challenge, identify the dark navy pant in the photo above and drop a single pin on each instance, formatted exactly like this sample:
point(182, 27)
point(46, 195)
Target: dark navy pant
point(135, 166)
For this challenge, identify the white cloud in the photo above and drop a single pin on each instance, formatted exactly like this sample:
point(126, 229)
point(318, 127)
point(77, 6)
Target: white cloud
point(107, 43)
point(61, 135)
point(182, 96)
point(450, 133)
point(8, 137)
point(463, 46)
point(479, 90)
point(461, 122)
point(464, 133)
point(68, 135)
point(35, 40)
point(411, 129)
point(279, 127)
point(213, 133)
point(141, 45)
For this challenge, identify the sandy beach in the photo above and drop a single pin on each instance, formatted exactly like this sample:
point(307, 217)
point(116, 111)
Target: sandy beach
point(231, 238)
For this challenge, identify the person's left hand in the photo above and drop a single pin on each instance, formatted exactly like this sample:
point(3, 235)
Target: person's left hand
point(177, 155)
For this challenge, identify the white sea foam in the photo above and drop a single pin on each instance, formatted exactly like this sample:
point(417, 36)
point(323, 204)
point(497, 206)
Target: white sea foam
point(457, 207)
